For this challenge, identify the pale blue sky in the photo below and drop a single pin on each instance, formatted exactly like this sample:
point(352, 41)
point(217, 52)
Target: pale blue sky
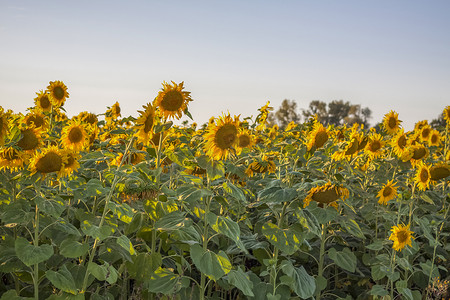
point(232, 55)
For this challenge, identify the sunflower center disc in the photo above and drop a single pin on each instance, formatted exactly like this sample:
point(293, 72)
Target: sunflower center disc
point(387, 191)
point(402, 237)
point(75, 135)
point(29, 141)
point(148, 124)
point(439, 173)
point(45, 103)
point(419, 153)
point(172, 101)
point(424, 176)
point(244, 141)
point(401, 142)
point(392, 123)
point(58, 92)
point(425, 133)
point(326, 196)
point(376, 145)
point(51, 162)
point(225, 136)
point(36, 120)
point(321, 138)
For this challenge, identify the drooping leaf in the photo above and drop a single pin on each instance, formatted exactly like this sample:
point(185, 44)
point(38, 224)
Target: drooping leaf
point(143, 265)
point(162, 281)
point(30, 254)
point(72, 249)
point(287, 240)
point(344, 259)
point(211, 264)
point(62, 280)
point(228, 227)
point(303, 284)
point(241, 280)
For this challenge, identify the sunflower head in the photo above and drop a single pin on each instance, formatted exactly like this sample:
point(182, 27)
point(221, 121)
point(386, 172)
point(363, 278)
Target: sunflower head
point(57, 93)
point(261, 166)
point(374, 147)
point(221, 137)
point(439, 171)
point(423, 177)
point(446, 113)
point(4, 125)
point(318, 136)
point(387, 192)
point(401, 236)
point(391, 123)
point(399, 143)
point(245, 140)
point(42, 101)
point(113, 112)
point(74, 136)
point(36, 119)
point(425, 133)
point(11, 159)
point(435, 138)
point(326, 194)
point(87, 117)
point(145, 123)
point(30, 140)
point(71, 163)
point(50, 160)
point(172, 101)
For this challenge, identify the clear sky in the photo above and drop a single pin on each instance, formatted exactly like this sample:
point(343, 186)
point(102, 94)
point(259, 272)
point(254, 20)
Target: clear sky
point(232, 55)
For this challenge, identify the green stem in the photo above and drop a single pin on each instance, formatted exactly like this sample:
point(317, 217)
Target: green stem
point(321, 257)
point(273, 270)
point(36, 244)
point(102, 220)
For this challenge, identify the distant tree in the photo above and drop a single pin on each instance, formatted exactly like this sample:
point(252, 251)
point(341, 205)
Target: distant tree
point(439, 122)
point(338, 112)
point(285, 114)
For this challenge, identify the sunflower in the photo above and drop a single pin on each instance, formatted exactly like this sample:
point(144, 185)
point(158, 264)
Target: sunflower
point(172, 100)
point(374, 147)
point(446, 114)
point(144, 124)
point(52, 159)
point(74, 136)
point(401, 236)
point(388, 192)
point(221, 137)
point(36, 119)
point(4, 125)
point(262, 117)
point(30, 140)
point(423, 176)
point(87, 117)
point(425, 133)
point(439, 171)
point(42, 101)
point(245, 140)
point(347, 148)
point(435, 138)
point(264, 165)
point(391, 123)
point(71, 163)
point(419, 125)
point(399, 143)
point(318, 136)
point(57, 93)
point(11, 158)
point(326, 194)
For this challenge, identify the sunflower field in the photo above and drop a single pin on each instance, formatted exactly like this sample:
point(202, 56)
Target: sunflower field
point(111, 207)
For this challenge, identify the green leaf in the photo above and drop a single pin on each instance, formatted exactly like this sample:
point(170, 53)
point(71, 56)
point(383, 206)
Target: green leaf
point(134, 225)
point(241, 280)
point(95, 231)
point(62, 280)
point(344, 259)
point(378, 290)
point(308, 220)
point(287, 240)
point(211, 264)
point(143, 265)
point(125, 243)
point(277, 194)
point(234, 191)
point(377, 245)
point(162, 281)
point(105, 272)
point(171, 221)
point(30, 254)
point(123, 211)
point(50, 207)
point(227, 227)
point(214, 169)
point(353, 228)
point(72, 249)
point(303, 284)
point(12, 295)
point(163, 127)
